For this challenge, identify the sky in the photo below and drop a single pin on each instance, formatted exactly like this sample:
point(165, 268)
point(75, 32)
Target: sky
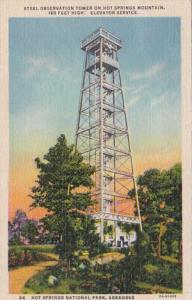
point(46, 64)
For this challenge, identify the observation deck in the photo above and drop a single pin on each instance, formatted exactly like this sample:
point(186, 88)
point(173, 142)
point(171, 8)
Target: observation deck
point(101, 32)
point(115, 217)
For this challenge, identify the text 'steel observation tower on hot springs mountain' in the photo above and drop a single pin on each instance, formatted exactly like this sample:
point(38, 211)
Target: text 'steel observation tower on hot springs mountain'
point(102, 135)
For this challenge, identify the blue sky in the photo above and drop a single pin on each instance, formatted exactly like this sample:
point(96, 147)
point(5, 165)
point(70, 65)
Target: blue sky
point(46, 65)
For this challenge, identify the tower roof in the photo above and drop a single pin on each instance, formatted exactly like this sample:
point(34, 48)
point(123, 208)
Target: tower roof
point(101, 32)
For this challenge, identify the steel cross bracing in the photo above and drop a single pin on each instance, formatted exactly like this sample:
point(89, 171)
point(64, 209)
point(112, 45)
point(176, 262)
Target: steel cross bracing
point(102, 134)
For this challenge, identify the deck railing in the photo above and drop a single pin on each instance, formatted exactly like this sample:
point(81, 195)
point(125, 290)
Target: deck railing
point(101, 32)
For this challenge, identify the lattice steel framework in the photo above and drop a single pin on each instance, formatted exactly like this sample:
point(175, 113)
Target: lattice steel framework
point(102, 134)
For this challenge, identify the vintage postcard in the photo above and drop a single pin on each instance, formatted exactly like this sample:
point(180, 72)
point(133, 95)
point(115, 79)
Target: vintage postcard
point(96, 150)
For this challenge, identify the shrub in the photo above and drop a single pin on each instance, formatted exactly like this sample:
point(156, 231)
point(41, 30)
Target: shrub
point(23, 256)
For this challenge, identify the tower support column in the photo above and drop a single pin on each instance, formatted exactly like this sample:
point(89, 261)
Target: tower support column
point(102, 134)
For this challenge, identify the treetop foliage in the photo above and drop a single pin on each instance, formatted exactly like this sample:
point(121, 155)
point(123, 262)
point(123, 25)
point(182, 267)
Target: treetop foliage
point(61, 171)
point(160, 196)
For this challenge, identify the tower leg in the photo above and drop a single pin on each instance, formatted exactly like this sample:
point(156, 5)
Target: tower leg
point(102, 135)
point(102, 231)
point(115, 233)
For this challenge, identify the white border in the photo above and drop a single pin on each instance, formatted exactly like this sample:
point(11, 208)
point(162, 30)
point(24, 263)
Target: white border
point(178, 8)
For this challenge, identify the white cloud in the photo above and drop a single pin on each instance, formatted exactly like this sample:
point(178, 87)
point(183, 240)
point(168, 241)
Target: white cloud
point(162, 98)
point(133, 100)
point(134, 94)
point(149, 73)
point(41, 64)
point(135, 90)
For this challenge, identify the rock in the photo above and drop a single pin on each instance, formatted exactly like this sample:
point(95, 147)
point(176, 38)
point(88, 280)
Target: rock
point(115, 289)
point(52, 280)
point(73, 269)
point(93, 263)
point(82, 266)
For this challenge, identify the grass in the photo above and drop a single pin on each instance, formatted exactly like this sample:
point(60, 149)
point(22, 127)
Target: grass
point(170, 259)
point(151, 268)
point(39, 248)
point(24, 255)
point(39, 283)
point(156, 288)
point(65, 287)
point(163, 272)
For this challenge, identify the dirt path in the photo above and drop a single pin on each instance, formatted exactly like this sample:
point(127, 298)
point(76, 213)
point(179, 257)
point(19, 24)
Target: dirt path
point(108, 257)
point(18, 277)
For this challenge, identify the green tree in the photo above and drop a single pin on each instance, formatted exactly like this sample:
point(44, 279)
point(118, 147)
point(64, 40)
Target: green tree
point(60, 183)
point(160, 202)
point(30, 232)
point(50, 229)
point(174, 200)
point(108, 230)
point(15, 227)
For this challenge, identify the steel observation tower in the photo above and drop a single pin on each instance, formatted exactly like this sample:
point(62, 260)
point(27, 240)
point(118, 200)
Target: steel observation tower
point(102, 135)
